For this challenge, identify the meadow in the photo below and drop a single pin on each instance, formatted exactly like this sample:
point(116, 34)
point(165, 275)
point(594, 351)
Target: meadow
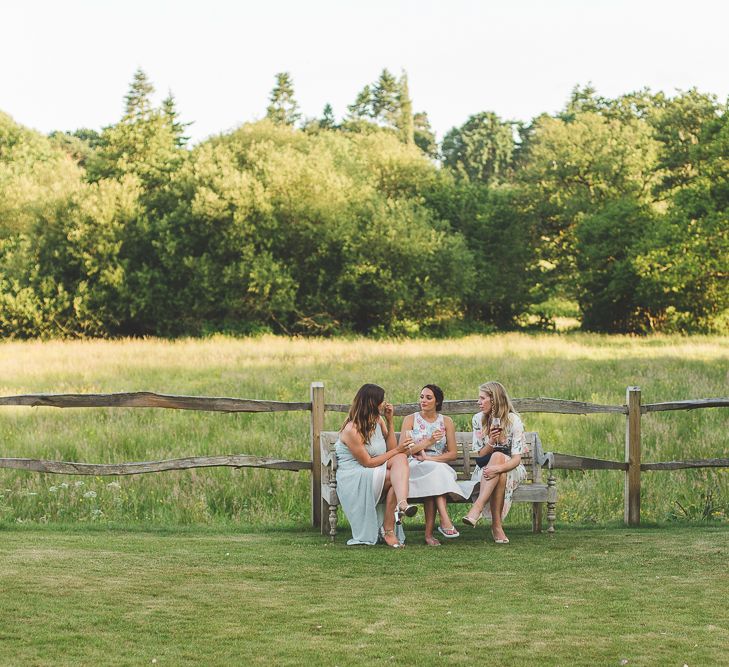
point(570, 366)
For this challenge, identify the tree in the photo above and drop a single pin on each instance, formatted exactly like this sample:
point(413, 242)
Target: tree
point(137, 101)
point(361, 109)
point(386, 99)
point(424, 136)
point(283, 108)
point(404, 121)
point(327, 120)
point(171, 116)
point(481, 149)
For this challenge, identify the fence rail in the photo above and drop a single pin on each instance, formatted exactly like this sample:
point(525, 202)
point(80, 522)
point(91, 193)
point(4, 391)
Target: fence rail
point(137, 468)
point(148, 399)
point(631, 466)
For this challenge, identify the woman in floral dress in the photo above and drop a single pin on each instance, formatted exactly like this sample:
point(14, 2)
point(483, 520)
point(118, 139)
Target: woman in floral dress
point(431, 478)
point(499, 448)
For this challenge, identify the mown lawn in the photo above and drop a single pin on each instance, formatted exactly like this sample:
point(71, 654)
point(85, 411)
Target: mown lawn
point(587, 596)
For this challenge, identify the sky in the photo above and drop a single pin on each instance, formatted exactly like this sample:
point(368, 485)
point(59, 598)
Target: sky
point(67, 64)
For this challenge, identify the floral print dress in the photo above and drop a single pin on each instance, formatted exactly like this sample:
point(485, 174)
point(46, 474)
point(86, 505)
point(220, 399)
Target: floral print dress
point(514, 438)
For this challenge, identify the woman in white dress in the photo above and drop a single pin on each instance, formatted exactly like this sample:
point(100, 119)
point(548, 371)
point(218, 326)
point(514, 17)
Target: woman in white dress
point(372, 466)
point(431, 478)
point(499, 445)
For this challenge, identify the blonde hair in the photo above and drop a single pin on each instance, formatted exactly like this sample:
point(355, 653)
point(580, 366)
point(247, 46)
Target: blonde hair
point(501, 405)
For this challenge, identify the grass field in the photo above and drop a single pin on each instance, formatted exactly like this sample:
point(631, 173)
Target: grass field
point(588, 596)
point(571, 366)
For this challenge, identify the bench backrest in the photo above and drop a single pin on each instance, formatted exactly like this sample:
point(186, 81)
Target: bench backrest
point(533, 458)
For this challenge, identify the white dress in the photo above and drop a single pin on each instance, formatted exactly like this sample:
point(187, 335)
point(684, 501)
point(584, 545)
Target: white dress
point(431, 478)
point(515, 438)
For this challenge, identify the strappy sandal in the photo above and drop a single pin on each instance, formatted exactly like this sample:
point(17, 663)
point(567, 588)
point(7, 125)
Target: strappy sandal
point(409, 511)
point(384, 533)
point(471, 522)
point(500, 540)
point(448, 533)
point(432, 542)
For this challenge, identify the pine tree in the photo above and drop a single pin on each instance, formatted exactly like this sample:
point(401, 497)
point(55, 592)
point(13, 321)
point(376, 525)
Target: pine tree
point(362, 107)
point(327, 120)
point(405, 109)
point(138, 104)
point(283, 108)
point(386, 99)
point(171, 117)
point(424, 136)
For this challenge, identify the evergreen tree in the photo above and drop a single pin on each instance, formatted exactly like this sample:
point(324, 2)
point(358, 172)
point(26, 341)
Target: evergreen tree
point(283, 109)
point(386, 99)
point(137, 101)
point(405, 108)
point(171, 116)
point(327, 120)
point(362, 107)
point(424, 136)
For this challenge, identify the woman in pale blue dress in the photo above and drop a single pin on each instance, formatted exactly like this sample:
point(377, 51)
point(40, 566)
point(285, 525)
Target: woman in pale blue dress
point(500, 448)
point(431, 478)
point(372, 466)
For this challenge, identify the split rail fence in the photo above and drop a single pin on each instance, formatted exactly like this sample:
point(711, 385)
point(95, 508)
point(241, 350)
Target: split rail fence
point(632, 410)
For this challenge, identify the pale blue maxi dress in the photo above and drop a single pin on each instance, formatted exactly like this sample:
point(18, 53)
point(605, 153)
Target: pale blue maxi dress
point(360, 490)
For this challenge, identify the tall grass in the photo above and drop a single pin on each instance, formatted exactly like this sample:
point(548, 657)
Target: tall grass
point(571, 366)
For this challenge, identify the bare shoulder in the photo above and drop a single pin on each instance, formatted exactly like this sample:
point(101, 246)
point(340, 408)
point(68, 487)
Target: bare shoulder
point(447, 420)
point(349, 435)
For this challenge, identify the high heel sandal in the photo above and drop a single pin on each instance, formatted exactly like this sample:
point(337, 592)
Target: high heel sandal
point(471, 522)
point(384, 533)
point(409, 511)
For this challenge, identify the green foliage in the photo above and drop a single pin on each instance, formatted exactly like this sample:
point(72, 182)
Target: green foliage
point(620, 205)
point(283, 108)
point(481, 149)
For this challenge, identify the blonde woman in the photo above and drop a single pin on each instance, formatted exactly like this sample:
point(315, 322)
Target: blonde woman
point(498, 440)
point(371, 467)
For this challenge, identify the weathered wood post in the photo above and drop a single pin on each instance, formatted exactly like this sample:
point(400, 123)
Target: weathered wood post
point(317, 426)
point(632, 457)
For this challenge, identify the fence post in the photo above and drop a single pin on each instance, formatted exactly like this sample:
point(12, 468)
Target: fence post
point(632, 458)
point(317, 426)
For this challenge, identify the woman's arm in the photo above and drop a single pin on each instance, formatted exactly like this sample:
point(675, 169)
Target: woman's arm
point(451, 453)
point(407, 425)
point(355, 443)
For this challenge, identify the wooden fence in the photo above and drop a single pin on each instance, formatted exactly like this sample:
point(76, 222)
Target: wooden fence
point(633, 410)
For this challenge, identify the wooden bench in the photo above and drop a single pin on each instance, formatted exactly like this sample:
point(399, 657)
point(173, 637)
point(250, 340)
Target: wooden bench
point(532, 490)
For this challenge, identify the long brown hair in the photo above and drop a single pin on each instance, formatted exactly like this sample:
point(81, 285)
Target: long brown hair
point(500, 405)
point(364, 411)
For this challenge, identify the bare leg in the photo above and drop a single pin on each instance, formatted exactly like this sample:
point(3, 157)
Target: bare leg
point(497, 507)
point(399, 477)
point(442, 505)
point(484, 493)
point(486, 489)
point(388, 522)
point(429, 506)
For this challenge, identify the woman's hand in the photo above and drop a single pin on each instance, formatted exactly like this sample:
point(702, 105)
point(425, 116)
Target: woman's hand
point(420, 456)
point(404, 446)
point(389, 411)
point(491, 471)
point(437, 436)
point(494, 435)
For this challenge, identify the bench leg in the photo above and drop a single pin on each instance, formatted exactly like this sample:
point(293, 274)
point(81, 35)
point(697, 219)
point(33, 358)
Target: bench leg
point(552, 503)
point(332, 522)
point(333, 508)
point(536, 517)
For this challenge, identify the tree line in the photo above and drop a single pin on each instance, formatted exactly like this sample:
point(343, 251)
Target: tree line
point(614, 210)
